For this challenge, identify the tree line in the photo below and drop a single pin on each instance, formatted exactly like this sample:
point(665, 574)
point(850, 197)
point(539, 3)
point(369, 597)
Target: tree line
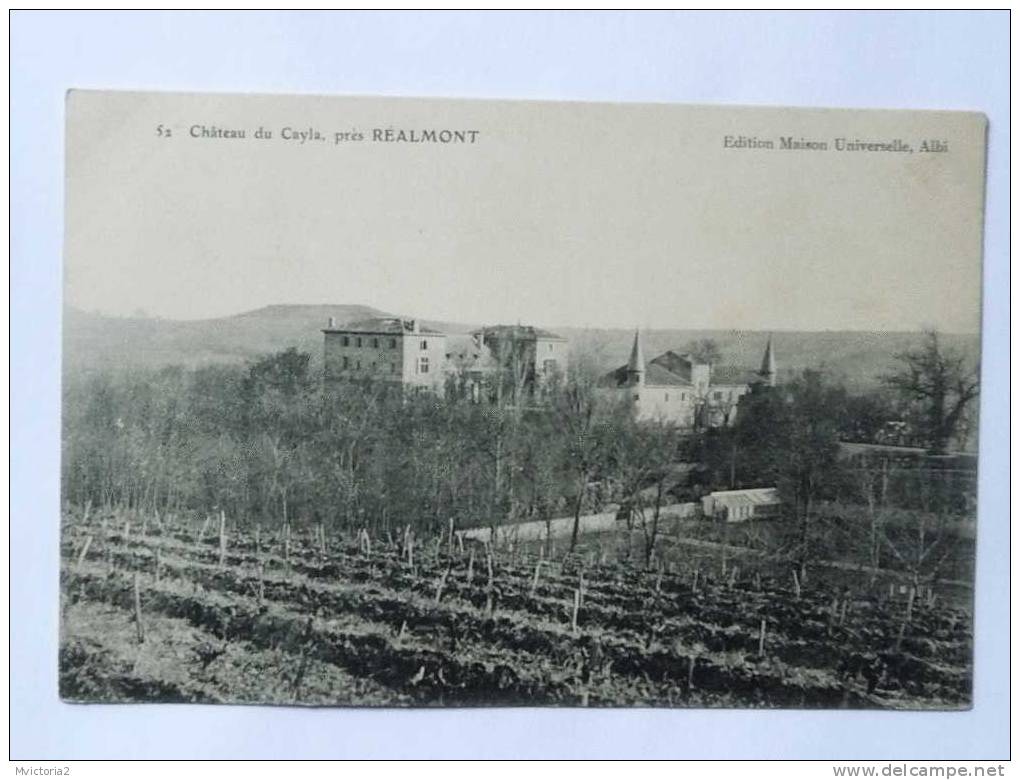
point(269, 443)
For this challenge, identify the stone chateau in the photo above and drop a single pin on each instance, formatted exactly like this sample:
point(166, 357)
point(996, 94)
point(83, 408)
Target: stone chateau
point(515, 363)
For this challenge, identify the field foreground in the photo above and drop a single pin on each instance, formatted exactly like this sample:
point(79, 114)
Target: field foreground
point(159, 613)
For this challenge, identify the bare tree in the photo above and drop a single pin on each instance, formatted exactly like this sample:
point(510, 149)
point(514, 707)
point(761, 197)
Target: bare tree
point(585, 422)
point(644, 454)
point(941, 382)
point(704, 351)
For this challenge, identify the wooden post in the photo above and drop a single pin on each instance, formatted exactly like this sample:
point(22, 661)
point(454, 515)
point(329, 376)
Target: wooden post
point(691, 660)
point(449, 544)
point(258, 540)
point(223, 537)
point(127, 528)
point(906, 618)
point(733, 575)
point(694, 581)
point(260, 569)
point(580, 588)
point(460, 543)
point(842, 611)
point(488, 563)
point(577, 606)
point(157, 564)
point(796, 584)
point(441, 585)
point(658, 580)
point(471, 566)
point(84, 550)
point(534, 581)
point(761, 639)
point(201, 531)
point(286, 546)
point(138, 610)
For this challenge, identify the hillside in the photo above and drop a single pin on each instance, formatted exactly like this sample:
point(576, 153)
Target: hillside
point(97, 341)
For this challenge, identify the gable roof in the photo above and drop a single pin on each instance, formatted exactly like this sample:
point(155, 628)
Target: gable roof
point(655, 376)
point(676, 364)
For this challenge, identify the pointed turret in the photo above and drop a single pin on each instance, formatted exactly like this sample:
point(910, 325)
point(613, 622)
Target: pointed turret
point(636, 364)
point(768, 365)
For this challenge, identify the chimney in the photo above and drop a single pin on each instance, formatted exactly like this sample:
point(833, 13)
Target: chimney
point(332, 322)
point(414, 326)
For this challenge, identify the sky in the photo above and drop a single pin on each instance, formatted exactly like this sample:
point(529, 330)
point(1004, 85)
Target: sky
point(560, 214)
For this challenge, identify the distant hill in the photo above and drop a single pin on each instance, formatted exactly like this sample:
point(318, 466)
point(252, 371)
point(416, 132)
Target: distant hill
point(96, 341)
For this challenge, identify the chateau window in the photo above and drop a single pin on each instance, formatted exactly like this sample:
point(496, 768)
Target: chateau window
point(357, 366)
point(423, 365)
point(375, 343)
point(346, 341)
point(424, 344)
point(347, 362)
point(393, 343)
point(393, 367)
point(717, 395)
point(667, 396)
point(373, 365)
point(683, 396)
point(357, 341)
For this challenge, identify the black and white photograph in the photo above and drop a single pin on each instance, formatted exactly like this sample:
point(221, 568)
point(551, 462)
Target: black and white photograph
point(384, 402)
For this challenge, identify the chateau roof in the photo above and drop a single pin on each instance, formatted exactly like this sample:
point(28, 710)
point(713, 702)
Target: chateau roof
point(519, 331)
point(382, 325)
point(675, 364)
point(655, 376)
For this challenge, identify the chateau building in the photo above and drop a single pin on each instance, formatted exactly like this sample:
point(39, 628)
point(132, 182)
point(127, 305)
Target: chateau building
point(677, 388)
point(526, 359)
point(507, 361)
point(385, 349)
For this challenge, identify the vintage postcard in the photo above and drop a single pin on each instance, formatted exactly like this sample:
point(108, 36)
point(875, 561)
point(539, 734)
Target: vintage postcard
point(420, 402)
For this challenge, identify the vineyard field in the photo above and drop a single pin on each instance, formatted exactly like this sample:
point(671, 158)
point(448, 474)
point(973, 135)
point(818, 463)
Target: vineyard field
point(188, 612)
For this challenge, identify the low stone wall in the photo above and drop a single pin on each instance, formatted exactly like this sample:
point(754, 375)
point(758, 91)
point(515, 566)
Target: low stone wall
point(562, 527)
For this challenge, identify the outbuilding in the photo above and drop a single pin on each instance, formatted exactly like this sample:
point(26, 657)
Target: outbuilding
point(738, 506)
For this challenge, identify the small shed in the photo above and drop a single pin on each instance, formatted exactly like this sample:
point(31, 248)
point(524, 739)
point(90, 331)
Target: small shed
point(738, 506)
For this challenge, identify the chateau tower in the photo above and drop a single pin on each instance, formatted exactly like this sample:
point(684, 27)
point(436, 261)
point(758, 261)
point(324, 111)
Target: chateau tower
point(768, 365)
point(636, 364)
